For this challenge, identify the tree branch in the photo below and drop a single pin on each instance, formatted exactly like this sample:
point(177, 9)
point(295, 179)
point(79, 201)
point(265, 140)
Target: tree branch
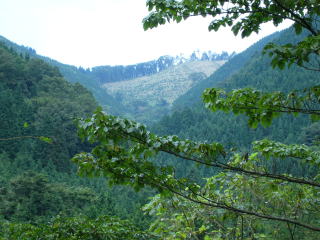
point(302, 21)
point(241, 211)
point(231, 168)
point(19, 137)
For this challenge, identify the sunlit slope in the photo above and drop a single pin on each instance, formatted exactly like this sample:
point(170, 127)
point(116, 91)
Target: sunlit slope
point(160, 90)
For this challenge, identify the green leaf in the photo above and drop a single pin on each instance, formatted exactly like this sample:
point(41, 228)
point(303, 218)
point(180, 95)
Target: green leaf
point(46, 139)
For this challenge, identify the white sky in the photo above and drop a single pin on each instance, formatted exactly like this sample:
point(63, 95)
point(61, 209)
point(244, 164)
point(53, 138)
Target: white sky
point(108, 32)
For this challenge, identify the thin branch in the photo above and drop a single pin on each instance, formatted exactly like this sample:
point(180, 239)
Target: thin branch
point(241, 211)
point(247, 172)
point(241, 227)
point(208, 202)
point(285, 109)
point(19, 137)
point(302, 21)
point(310, 68)
point(186, 218)
point(228, 167)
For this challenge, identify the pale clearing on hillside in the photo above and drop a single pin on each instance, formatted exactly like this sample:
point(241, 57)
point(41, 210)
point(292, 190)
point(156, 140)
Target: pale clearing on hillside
point(163, 87)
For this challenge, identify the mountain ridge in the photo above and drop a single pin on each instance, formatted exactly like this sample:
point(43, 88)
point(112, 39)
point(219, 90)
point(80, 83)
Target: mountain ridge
point(95, 78)
point(109, 73)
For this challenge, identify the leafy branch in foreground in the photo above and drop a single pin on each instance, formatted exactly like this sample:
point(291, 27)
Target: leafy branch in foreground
point(300, 54)
point(263, 107)
point(125, 150)
point(177, 216)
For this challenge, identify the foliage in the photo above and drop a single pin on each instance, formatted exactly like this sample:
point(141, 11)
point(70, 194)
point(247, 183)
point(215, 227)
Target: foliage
point(35, 95)
point(84, 228)
point(125, 147)
point(263, 107)
point(37, 134)
point(30, 197)
point(178, 218)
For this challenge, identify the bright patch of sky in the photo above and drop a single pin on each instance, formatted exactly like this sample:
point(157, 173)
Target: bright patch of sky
point(109, 32)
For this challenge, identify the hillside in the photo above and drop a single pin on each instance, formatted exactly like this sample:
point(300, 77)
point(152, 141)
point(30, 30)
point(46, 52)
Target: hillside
point(153, 95)
point(37, 179)
point(36, 101)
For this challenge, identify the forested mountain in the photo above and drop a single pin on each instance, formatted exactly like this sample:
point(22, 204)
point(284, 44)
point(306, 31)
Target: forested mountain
point(222, 173)
point(35, 93)
point(38, 137)
point(146, 90)
point(37, 102)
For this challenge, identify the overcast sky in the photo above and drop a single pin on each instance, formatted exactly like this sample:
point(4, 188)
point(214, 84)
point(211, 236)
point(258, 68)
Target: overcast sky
point(108, 32)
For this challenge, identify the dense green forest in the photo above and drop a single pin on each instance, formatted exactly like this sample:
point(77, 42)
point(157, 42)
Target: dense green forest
point(38, 137)
point(240, 163)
